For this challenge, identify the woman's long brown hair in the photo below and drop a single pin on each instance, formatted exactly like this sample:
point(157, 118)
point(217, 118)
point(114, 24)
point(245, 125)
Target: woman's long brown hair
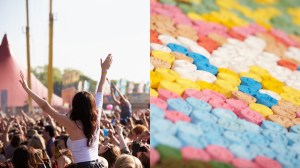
point(84, 109)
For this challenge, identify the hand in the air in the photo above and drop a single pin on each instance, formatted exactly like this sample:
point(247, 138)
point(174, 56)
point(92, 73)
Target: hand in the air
point(23, 81)
point(107, 62)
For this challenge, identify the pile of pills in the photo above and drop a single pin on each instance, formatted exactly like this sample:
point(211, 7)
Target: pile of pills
point(225, 88)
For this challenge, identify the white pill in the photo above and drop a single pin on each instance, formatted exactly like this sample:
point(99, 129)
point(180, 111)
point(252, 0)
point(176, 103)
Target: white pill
point(159, 47)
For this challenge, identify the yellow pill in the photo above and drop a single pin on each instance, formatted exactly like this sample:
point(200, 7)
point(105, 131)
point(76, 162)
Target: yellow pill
point(153, 93)
point(226, 84)
point(205, 85)
point(261, 109)
point(272, 79)
point(229, 78)
point(167, 74)
point(259, 71)
point(171, 86)
point(154, 79)
point(226, 87)
point(163, 56)
point(290, 97)
point(188, 84)
point(275, 87)
point(228, 71)
point(251, 75)
point(290, 90)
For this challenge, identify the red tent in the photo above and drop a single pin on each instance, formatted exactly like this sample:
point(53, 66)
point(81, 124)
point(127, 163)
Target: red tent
point(9, 80)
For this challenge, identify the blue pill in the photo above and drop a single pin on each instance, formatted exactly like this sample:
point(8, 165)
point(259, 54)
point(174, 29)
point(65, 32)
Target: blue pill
point(298, 68)
point(210, 127)
point(265, 99)
point(251, 127)
point(163, 125)
point(235, 137)
point(256, 138)
point(247, 90)
point(269, 125)
point(251, 83)
point(168, 140)
point(295, 129)
point(197, 57)
point(156, 112)
point(190, 129)
point(262, 150)
point(241, 152)
point(178, 104)
point(278, 148)
point(215, 139)
point(231, 125)
point(188, 140)
point(177, 48)
point(224, 113)
point(206, 67)
point(199, 104)
point(274, 136)
point(293, 138)
point(198, 116)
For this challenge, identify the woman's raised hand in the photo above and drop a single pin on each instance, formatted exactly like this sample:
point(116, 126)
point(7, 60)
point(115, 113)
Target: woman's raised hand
point(23, 82)
point(107, 62)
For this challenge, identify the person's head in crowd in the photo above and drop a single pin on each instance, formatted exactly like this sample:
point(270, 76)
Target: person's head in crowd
point(16, 140)
point(30, 133)
point(24, 157)
point(111, 155)
point(84, 109)
point(48, 132)
point(138, 147)
point(128, 161)
point(62, 142)
point(144, 158)
point(37, 142)
point(138, 130)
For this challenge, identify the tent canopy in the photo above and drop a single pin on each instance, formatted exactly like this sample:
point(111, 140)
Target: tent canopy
point(9, 80)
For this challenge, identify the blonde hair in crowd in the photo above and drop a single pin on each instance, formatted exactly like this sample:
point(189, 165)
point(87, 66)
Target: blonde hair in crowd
point(128, 161)
point(37, 142)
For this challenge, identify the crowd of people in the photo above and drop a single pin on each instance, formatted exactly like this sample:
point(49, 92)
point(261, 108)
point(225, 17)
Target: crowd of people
point(84, 138)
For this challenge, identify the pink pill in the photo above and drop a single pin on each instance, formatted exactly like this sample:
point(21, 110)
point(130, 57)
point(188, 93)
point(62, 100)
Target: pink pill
point(158, 102)
point(213, 94)
point(194, 93)
point(243, 163)
point(154, 157)
point(191, 153)
point(251, 116)
point(165, 94)
point(265, 162)
point(216, 103)
point(175, 116)
point(237, 105)
point(219, 153)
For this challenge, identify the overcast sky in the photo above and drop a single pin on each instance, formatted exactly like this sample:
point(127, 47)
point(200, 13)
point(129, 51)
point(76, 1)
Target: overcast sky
point(84, 31)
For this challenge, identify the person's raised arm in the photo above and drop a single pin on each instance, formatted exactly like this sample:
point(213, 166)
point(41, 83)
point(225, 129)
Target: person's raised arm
point(62, 119)
point(114, 97)
point(121, 95)
point(123, 146)
point(104, 67)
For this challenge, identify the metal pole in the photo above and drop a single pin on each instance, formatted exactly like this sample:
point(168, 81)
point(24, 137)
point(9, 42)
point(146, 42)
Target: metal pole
point(28, 56)
point(50, 68)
